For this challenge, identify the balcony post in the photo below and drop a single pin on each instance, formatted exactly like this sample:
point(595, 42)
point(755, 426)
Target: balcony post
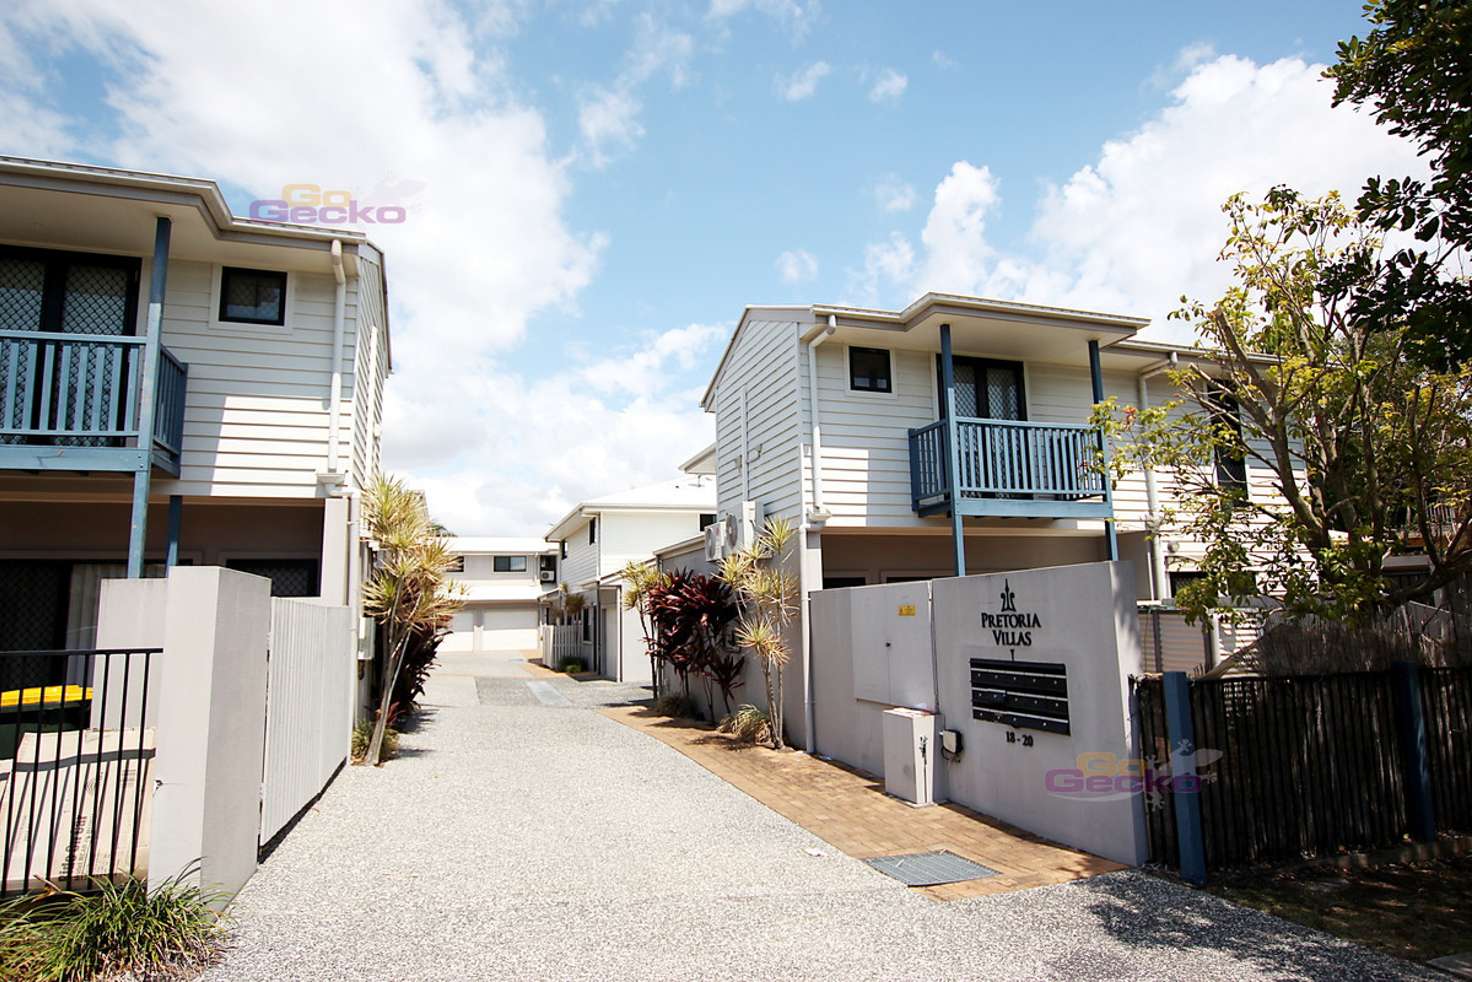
point(953, 448)
point(1096, 376)
point(148, 379)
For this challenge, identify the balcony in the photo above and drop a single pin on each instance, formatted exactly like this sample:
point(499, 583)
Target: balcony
point(70, 402)
point(1009, 468)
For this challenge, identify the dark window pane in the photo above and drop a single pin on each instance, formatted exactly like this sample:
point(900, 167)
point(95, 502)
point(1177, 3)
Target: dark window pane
point(707, 520)
point(868, 369)
point(22, 282)
point(1231, 458)
point(509, 564)
point(289, 577)
point(252, 296)
point(96, 300)
point(592, 530)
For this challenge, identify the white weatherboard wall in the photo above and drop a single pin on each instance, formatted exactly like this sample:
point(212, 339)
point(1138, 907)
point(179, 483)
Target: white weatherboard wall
point(309, 707)
point(1086, 621)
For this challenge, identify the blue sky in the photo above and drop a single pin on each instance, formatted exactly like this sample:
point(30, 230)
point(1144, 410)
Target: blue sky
point(595, 190)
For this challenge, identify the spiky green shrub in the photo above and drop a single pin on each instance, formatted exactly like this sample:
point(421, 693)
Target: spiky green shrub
point(675, 705)
point(572, 666)
point(123, 930)
point(363, 739)
point(748, 724)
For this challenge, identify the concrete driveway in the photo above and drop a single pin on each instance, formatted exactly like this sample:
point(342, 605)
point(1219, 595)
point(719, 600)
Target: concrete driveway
point(521, 834)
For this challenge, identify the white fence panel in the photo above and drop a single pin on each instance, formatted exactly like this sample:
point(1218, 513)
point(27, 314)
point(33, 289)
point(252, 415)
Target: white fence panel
point(309, 706)
point(560, 643)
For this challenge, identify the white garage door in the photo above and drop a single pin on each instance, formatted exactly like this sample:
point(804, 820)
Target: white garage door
point(509, 629)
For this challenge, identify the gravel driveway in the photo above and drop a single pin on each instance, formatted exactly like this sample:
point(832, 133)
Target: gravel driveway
point(522, 835)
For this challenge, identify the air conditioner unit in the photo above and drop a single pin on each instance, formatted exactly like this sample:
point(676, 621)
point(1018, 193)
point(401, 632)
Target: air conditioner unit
point(549, 576)
point(749, 526)
point(715, 541)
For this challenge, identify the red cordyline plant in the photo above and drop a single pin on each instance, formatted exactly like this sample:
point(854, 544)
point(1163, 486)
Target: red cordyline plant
point(691, 617)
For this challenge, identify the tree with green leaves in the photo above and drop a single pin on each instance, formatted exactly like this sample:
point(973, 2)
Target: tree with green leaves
point(409, 591)
point(767, 594)
point(1414, 72)
point(639, 579)
point(1369, 449)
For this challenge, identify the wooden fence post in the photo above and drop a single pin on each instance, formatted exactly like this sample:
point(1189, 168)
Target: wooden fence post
point(1180, 732)
point(1410, 720)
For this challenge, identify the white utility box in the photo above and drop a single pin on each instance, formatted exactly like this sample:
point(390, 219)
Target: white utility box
point(911, 755)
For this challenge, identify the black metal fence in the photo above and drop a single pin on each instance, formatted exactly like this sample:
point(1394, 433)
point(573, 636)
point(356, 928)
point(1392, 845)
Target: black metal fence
point(1446, 700)
point(76, 765)
point(1300, 766)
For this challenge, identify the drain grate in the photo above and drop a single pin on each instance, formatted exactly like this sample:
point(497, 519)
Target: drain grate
point(928, 869)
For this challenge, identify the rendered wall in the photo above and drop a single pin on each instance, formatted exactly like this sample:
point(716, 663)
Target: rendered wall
point(1086, 621)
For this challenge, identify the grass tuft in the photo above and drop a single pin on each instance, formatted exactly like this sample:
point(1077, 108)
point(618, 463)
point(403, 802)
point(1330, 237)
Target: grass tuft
point(678, 706)
point(748, 724)
point(123, 930)
point(363, 736)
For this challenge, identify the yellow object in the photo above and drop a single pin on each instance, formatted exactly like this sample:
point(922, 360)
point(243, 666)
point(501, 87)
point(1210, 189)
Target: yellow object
point(50, 696)
point(907, 610)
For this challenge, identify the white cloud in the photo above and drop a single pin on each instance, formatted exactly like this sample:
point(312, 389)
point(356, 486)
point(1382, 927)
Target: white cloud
point(609, 122)
point(942, 60)
point(793, 16)
point(894, 195)
point(889, 86)
point(797, 266)
point(592, 429)
point(608, 116)
point(1142, 224)
point(888, 266)
point(802, 84)
point(486, 245)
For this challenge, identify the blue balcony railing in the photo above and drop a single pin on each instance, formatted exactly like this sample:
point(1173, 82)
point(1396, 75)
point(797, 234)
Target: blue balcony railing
point(70, 401)
point(1009, 467)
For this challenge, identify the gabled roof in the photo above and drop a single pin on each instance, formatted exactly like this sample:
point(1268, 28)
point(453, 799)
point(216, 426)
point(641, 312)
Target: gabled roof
point(485, 545)
point(1114, 326)
point(691, 493)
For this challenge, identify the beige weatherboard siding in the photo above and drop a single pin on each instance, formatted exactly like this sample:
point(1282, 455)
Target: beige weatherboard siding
point(257, 411)
point(762, 399)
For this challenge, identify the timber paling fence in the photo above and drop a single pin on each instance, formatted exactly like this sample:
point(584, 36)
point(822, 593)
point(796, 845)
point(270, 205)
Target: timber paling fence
point(1296, 767)
point(76, 765)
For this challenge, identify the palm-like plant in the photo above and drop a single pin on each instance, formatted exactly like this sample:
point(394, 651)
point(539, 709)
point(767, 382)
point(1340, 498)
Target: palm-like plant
point(767, 594)
point(639, 580)
point(410, 592)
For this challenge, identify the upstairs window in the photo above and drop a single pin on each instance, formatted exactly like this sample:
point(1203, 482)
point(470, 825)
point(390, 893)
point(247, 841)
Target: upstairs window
point(252, 296)
point(562, 546)
point(509, 564)
point(549, 563)
point(868, 370)
point(592, 530)
point(1230, 454)
point(707, 520)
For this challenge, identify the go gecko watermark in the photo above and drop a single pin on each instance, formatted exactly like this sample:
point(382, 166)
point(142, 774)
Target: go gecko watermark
point(1104, 776)
point(310, 204)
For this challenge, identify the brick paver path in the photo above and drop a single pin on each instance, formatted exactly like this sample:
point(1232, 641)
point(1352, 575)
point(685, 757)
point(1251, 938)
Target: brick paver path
point(851, 811)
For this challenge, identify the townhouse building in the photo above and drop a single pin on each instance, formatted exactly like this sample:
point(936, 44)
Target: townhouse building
point(178, 385)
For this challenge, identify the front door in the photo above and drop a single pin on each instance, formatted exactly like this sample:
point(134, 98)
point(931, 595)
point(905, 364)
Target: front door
point(987, 388)
point(78, 386)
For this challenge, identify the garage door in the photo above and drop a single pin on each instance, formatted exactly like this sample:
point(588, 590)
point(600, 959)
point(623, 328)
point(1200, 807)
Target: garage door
point(509, 629)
